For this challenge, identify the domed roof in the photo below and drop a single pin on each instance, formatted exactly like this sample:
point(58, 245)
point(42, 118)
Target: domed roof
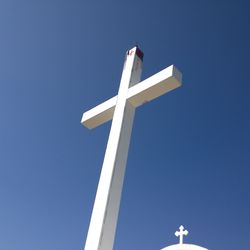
point(184, 247)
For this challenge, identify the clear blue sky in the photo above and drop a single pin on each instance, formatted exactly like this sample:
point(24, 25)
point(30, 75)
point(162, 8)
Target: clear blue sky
point(189, 158)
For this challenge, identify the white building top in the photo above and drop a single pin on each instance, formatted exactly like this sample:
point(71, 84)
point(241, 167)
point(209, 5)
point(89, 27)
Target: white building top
point(181, 245)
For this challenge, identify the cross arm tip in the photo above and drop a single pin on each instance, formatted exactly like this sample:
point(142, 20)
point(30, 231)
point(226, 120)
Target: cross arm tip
point(162, 82)
point(99, 114)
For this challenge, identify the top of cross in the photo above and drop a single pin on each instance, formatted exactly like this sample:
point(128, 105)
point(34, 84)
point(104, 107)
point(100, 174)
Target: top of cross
point(181, 233)
point(136, 50)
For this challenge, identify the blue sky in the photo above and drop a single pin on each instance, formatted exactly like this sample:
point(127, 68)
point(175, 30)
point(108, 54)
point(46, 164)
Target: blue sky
point(189, 159)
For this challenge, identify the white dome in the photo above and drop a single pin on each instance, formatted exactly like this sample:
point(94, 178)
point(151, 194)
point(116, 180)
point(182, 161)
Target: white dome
point(184, 247)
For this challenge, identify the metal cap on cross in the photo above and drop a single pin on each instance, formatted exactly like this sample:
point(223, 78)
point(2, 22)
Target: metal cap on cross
point(181, 233)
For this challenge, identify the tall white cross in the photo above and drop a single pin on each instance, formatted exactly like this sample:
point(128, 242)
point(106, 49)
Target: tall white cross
point(132, 93)
point(181, 233)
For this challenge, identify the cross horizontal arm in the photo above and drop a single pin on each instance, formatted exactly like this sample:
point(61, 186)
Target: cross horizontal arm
point(145, 91)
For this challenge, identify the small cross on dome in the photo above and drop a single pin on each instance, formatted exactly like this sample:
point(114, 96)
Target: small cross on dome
point(181, 233)
point(181, 246)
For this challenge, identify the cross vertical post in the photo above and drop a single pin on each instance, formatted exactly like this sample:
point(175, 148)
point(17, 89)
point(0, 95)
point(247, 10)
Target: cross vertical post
point(105, 212)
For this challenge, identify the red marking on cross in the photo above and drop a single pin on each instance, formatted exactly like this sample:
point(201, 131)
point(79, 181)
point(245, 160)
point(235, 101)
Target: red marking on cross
point(131, 52)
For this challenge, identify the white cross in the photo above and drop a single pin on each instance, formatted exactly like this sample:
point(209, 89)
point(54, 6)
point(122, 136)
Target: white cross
point(181, 233)
point(132, 93)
